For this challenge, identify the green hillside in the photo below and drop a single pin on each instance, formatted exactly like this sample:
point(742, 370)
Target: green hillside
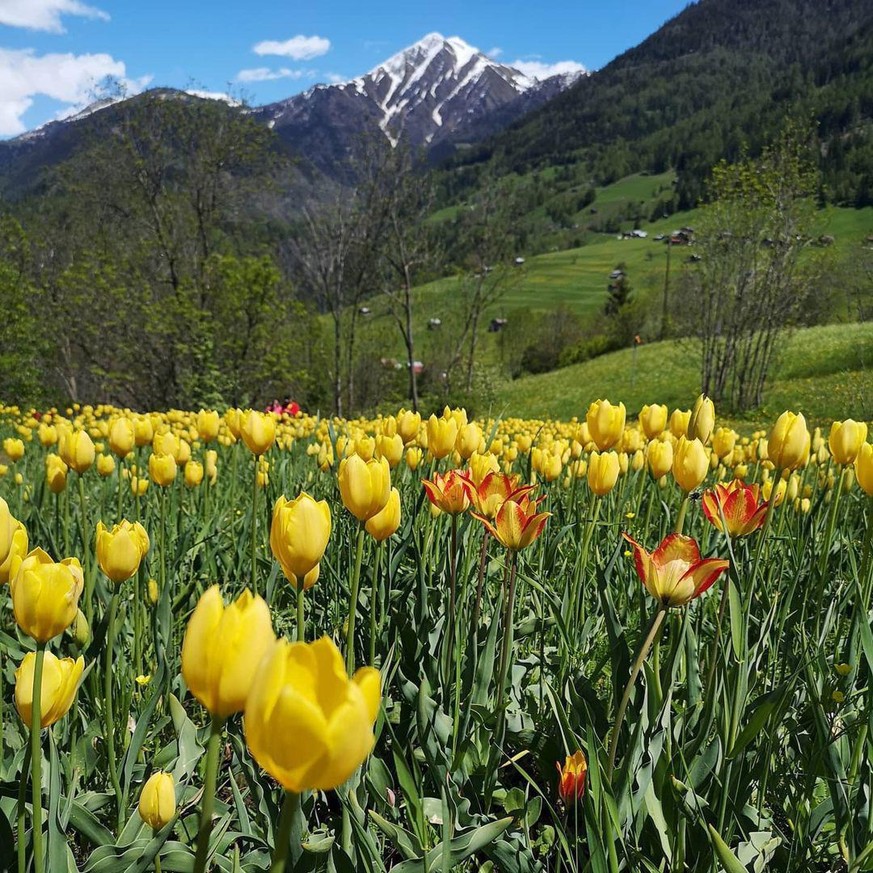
point(825, 372)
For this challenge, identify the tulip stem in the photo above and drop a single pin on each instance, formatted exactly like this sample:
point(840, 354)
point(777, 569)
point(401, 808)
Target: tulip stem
point(505, 652)
point(209, 781)
point(373, 595)
point(108, 708)
point(353, 602)
point(22, 802)
point(683, 510)
point(36, 758)
point(290, 808)
point(86, 551)
point(255, 527)
point(625, 698)
point(301, 614)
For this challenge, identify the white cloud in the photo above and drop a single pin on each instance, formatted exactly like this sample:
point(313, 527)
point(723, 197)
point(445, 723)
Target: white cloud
point(335, 78)
point(298, 48)
point(265, 74)
point(539, 70)
point(72, 79)
point(214, 95)
point(45, 14)
point(495, 52)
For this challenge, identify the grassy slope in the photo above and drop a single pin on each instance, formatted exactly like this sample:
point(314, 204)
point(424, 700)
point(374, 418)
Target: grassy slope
point(826, 372)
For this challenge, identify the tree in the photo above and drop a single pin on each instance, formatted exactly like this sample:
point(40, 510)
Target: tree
point(747, 285)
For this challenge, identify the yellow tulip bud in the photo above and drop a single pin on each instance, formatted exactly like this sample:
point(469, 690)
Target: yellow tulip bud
point(390, 448)
point(193, 474)
point(408, 425)
point(105, 465)
point(157, 801)
point(207, 425)
point(385, 522)
point(723, 441)
point(8, 526)
point(258, 431)
point(143, 430)
point(679, 422)
point(212, 465)
point(223, 647)
point(364, 485)
point(690, 463)
point(605, 423)
point(14, 448)
point(864, 468)
point(166, 443)
point(45, 594)
point(183, 453)
point(469, 440)
point(413, 457)
point(60, 682)
point(781, 490)
point(441, 436)
point(603, 470)
point(17, 549)
point(299, 534)
point(81, 629)
point(154, 592)
point(122, 436)
point(653, 420)
point(77, 450)
point(846, 439)
point(162, 469)
point(121, 550)
point(789, 444)
point(702, 419)
point(48, 435)
point(302, 690)
point(659, 454)
point(138, 486)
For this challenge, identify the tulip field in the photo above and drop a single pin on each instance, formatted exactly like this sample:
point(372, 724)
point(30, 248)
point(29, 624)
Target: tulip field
point(238, 641)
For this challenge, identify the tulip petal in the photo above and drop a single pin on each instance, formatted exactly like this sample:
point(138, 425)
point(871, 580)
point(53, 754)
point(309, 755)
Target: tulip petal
point(704, 573)
point(676, 547)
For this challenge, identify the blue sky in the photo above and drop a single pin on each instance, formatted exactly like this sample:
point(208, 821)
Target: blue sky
point(53, 53)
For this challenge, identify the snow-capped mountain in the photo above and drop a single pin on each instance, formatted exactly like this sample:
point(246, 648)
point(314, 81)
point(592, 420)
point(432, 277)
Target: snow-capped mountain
point(429, 93)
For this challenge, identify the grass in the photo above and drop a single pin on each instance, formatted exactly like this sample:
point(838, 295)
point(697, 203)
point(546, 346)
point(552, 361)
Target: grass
point(826, 372)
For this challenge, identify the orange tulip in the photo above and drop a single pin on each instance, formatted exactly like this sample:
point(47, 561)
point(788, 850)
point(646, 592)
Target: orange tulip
point(740, 505)
point(494, 490)
point(573, 775)
point(449, 492)
point(517, 523)
point(674, 573)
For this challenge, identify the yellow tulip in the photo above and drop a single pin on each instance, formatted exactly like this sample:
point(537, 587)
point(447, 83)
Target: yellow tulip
point(45, 593)
point(77, 450)
point(441, 436)
point(105, 465)
point(789, 444)
point(48, 434)
point(679, 419)
point(154, 592)
point(301, 690)
point(390, 448)
point(603, 470)
point(60, 682)
point(864, 468)
point(605, 423)
point(14, 448)
point(121, 550)
point(653, 420)
point(299, 534)
point(7, 529)
point(258, 431)
point(408, 425)
point(165, 443)
point(413, 457)
point(223, 647)
point(162, 469)
point(143, 430)
point(212, 465)
point(18, 549)
point(690, 463)
point(469, 440)
point(846, 439)
point(122, 436)
point(723, 441)
point(157, 801)
point(193, 473)
point(481, 466)
point(385, 522)
point(659, 454)
point(208, 424)
point(364, 485)
point(702, 420)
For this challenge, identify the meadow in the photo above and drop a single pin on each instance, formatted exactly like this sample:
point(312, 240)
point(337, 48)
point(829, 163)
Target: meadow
point(248, 642)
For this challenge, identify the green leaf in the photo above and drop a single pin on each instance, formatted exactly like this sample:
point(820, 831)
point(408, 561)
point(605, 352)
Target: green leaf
point(727, 858)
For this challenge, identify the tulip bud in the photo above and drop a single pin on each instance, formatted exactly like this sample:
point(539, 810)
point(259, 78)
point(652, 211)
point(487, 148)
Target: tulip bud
point(258, 431)
point(143, 430)
point(8, 526)
point(154, 592)
point(105, 465)
point(306, 684)
point(162, 469)
point(299, 534)
point(14, 448)
point(17, 548)
point(606, 423)
point(121, 550)
point(390, 448)
point(571, 785)
point(413, 457)
point(212, 465)
point(846, 439)
point(864, 468)
point(223, 647)
point(385, 522)
point(364, 486)
point(469, 440)
point(157, 802)
point(81, 629)
point(122, 437)
point(408, 425)
point(77, 450)
point(789, 444)
point(679, 422)
point(45, 594)
point(441, 436)
point(603, 470)
point(60, 682)
point(690, 464)
point(193, 474)
point(653, 420)
point(723, 441)
point(702, 419)
point(207, 425)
